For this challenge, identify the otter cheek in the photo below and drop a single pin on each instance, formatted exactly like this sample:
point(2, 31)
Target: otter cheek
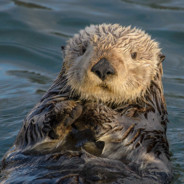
point(77, 70)
point(140, 75)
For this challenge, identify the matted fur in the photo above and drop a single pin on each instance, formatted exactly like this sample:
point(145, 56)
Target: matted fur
point(116, 44)
point(85, 130)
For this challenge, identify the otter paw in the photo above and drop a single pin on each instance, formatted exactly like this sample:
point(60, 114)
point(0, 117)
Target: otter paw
point(73, 115)
point(62, 115)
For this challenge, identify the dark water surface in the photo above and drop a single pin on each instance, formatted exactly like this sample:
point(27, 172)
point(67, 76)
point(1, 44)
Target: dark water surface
point(31, 33)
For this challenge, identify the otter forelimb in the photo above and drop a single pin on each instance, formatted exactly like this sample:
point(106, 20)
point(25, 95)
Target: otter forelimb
point(49, 119)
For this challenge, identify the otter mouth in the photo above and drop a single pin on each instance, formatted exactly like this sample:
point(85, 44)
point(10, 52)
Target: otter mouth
point(104, 86)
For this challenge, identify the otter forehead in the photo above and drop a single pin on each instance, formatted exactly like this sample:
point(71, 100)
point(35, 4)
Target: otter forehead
point(105, 37)
point(111, 63)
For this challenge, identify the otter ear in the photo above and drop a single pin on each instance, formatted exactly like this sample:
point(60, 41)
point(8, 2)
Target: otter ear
point(161, 57)
point(63, 50)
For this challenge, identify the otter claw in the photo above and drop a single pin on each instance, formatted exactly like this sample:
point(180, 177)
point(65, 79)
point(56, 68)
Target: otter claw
point(75, 113)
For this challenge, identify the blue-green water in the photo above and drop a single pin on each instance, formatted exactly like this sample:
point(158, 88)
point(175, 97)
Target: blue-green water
point(31, 33)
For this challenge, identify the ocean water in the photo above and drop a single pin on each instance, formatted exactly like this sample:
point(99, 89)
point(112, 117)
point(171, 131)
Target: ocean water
point(31, 33)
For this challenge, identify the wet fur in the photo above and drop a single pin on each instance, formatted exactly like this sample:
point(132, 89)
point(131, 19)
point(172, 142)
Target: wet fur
point(116, 44)
point(83, 132)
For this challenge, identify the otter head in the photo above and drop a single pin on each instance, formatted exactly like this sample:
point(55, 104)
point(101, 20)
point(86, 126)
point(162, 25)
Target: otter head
point(110, 63)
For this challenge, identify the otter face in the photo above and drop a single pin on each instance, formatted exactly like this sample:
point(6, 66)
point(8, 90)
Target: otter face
point(110, 63)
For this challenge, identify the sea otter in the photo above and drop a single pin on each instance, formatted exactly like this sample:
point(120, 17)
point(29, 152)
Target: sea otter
point(103, 120)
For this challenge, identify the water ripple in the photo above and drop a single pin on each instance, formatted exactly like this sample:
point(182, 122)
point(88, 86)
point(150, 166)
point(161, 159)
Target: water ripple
point(163, 5)
point(31, 76)
point(30, 5)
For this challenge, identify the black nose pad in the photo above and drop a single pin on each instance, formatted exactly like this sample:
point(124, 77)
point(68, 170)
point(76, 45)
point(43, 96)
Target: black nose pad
point(103, 68)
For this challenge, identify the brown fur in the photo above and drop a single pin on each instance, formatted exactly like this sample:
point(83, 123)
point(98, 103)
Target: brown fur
point(94, 131)
point(116, 44)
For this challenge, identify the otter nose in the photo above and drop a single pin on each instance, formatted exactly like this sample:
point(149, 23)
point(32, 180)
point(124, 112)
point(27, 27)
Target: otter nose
point(103, 69)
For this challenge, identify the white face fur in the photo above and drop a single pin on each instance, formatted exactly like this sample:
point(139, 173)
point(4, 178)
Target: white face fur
point(131, 52)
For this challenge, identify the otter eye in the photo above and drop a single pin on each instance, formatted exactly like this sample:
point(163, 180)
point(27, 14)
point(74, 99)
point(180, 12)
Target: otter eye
point(83, 50)
point(134, 55)
point(62, 47)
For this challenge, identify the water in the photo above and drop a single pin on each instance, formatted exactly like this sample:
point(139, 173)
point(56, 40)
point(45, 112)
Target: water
point(31, 33)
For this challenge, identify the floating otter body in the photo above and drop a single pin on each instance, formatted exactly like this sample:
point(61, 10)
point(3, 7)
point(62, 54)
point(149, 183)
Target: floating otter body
point(103, 120)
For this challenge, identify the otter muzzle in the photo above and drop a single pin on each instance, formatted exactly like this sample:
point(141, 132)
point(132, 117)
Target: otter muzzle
point(103, 69)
